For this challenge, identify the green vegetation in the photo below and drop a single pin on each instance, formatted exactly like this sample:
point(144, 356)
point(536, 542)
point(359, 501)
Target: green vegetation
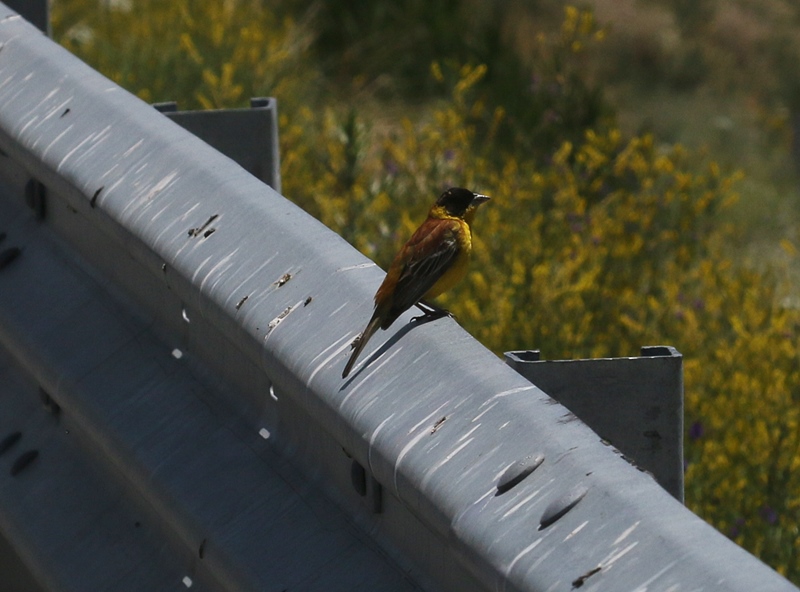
point(609, 140)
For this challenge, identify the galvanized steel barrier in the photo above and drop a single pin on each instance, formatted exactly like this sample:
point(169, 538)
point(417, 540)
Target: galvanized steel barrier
point(172, 335)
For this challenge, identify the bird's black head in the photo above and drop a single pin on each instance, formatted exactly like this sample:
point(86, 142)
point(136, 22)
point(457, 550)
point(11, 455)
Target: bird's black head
point(458, 200)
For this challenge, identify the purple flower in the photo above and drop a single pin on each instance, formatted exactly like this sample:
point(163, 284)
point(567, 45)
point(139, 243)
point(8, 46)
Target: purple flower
point(449, 155)
point(769, 515)
point(391, 167)
point(550, 116)
point(696, 430)
point(736, 529)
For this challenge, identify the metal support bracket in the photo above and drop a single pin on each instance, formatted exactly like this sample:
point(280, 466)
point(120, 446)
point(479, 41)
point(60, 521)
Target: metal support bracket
point(247, 136)
point(635, 404)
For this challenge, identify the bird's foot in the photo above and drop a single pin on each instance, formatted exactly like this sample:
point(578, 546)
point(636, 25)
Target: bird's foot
point(431, 312)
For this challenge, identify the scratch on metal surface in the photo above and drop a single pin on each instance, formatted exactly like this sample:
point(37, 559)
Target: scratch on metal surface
point(485, 411)
point(450, 456)
point(364, 382)
point(338, 308)
point(375, 367)
point(427, 419)
point(575, 531)
point(31, 121)
point(48, 96)
point(359, 266)
point(132, 149)
point(222, 266)
point(56, 140)
point(405, 450)
point(163, 184)
point(643, 586)
point(468, 433)
point(6, 80)
point(257, 271)
point(347, 339)
point(541, 559)
point(519, 556)
point(273, 324)
point(57, 109)
point(512, 391)
point(371, 371)
point(373, 436)
point(617, 554)
point(513, 509)
point(627, 532)
point(97, 139)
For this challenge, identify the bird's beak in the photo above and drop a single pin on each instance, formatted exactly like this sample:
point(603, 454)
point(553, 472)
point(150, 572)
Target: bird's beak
point(478, 199)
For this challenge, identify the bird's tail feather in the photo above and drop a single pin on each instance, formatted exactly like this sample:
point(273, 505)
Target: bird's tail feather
point(368, 332)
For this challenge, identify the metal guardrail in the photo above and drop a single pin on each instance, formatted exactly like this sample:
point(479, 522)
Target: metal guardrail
point(173, 334)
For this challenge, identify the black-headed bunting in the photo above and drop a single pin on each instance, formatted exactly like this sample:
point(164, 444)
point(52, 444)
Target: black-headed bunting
point(433, 260)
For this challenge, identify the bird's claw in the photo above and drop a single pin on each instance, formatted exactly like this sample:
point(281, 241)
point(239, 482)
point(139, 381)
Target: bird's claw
point(434, 314)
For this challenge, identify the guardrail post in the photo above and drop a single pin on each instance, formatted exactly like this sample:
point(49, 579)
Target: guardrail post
point(636, 404)
point(36, 12)
point(247, 136)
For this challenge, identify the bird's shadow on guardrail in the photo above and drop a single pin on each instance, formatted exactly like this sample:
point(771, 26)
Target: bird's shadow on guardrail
point(413, 323)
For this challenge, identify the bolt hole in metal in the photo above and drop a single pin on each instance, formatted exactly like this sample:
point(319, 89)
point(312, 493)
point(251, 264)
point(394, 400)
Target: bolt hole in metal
point(8, 442)
point(8, 255)
point(559, 507)
point(515, 474)
point(358, 478)
point(23, 461)
point(48, 403)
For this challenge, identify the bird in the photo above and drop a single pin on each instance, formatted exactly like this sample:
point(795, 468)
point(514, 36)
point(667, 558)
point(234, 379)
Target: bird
point(434, 259)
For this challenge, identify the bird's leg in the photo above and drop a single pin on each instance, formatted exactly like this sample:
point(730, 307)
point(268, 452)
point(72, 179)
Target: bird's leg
point(431, 312)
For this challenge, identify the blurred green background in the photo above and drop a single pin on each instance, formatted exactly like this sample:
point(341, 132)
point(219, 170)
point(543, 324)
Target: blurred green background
point(643, 157)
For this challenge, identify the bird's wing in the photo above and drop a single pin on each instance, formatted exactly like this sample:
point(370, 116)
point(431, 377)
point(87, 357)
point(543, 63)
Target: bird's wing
point(431, 251)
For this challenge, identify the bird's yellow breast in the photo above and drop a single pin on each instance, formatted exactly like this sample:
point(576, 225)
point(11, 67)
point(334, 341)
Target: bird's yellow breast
point(458, 269)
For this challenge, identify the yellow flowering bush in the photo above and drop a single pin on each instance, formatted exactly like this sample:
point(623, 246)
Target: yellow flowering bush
point(594, 244)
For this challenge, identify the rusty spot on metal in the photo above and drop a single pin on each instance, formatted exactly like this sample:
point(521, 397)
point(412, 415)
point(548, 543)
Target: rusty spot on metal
point(199, 230)
point(438, 424)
